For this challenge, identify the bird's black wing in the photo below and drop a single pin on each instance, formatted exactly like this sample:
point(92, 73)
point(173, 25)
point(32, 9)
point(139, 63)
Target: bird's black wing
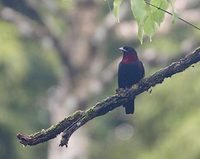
point(142, 69)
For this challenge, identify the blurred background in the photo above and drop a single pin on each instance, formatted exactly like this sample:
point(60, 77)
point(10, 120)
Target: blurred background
point(60, 56)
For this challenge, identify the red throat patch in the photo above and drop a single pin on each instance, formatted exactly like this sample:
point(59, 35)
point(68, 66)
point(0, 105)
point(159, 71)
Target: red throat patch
point(129, 58)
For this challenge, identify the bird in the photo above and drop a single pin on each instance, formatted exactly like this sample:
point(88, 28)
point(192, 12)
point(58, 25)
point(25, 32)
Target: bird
point(130, 71)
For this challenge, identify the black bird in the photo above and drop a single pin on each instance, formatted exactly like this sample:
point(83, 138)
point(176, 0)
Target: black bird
point(130, 72)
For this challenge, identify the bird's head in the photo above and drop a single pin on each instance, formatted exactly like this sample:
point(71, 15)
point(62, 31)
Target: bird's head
point(129, 54)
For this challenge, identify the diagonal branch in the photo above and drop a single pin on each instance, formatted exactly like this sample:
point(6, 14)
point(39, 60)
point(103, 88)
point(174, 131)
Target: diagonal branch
point(70, 124)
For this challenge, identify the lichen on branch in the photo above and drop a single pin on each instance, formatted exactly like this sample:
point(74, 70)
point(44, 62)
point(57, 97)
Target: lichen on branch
point(70, 124)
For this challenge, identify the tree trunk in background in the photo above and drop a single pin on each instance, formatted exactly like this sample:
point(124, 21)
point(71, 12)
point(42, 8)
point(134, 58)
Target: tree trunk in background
point(67, 97)
point(59, 108)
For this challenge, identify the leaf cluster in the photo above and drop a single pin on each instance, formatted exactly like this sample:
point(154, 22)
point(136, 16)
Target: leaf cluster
point(148, 18)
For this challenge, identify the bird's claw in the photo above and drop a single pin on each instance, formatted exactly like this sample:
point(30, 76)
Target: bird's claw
point(122, 92)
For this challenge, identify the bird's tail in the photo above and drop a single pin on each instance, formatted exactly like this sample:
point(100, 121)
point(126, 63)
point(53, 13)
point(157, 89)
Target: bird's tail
point(129, 107)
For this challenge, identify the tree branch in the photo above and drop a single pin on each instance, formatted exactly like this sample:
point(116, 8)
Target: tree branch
point(70, 124)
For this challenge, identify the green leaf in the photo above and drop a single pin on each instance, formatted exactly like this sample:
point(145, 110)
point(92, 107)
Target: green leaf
point(140, 33)
point(139, 11)
point(150, 25)
point(147, 16)
point(116, 7)
point(174, 17)
point(138, 8)
point(158, 15)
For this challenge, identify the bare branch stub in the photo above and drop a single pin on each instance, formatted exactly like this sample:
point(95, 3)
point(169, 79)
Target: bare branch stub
point(51, 132)
point(70, 124)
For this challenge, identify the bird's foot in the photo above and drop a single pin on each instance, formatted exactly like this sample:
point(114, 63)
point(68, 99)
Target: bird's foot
point(122, 92)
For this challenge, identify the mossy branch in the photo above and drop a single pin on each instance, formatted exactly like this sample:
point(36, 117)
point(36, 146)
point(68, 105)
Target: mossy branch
point(70, 124)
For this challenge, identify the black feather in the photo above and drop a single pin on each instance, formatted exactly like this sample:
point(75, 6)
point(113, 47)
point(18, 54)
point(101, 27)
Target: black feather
point(128, 75)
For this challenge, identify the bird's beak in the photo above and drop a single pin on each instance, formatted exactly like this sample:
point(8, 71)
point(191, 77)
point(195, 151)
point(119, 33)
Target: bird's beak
point(122, 49)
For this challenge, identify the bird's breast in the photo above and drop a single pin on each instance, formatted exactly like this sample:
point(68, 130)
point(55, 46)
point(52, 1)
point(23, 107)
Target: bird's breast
point(129, 74)
point(129, 58)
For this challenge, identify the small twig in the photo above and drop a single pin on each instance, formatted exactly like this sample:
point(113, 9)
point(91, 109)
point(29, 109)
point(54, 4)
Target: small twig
point(70, 124)
point(185, 21)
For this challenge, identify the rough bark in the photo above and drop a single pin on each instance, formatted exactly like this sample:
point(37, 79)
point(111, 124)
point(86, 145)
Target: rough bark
point(70, 124)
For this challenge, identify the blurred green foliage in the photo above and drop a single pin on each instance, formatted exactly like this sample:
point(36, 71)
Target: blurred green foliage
point(165, 124)
point(26, 72)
